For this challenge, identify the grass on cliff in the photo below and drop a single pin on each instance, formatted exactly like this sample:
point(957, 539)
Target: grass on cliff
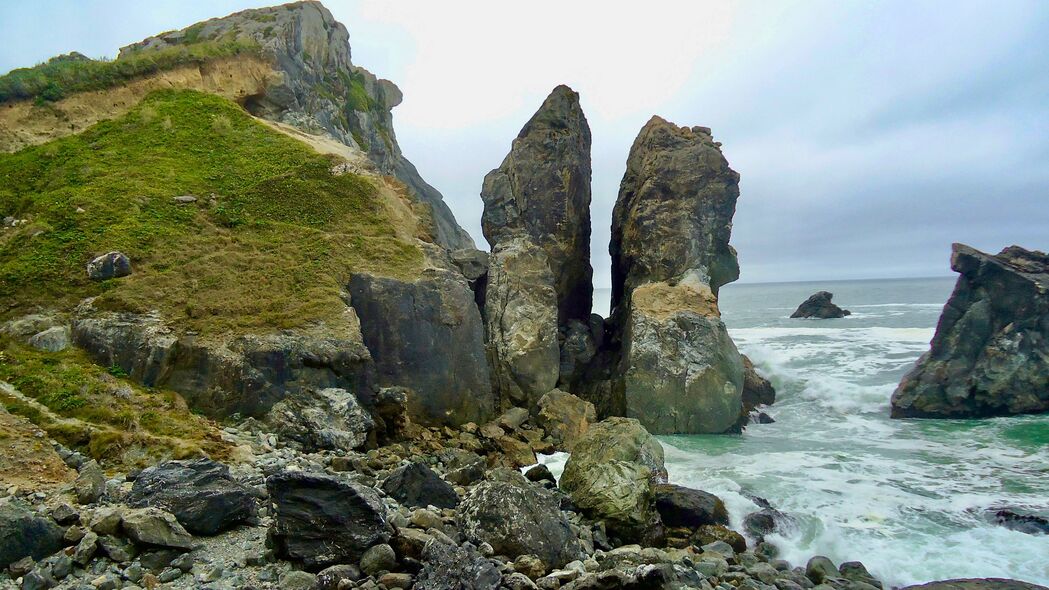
point(107, 417)
point(61, 76)
point(269, 243)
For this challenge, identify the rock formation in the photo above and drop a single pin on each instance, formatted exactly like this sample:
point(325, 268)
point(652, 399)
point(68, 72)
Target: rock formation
point(819, 306)
point(537, 220)
point(677, 370)
point(990, 353)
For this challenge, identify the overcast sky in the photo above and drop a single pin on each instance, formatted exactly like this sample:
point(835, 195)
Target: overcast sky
point(869, 135)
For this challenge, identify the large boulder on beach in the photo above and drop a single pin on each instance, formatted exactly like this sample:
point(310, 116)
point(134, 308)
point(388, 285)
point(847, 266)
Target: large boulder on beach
point(25, 534)
point(326, 419)
point(678, 370)
point(565, 418)
point(990, 353)
point(201, 494)
point(611, 475)
point(417, 485)
point(519, 519)
point(819, 306)
point(322, 520)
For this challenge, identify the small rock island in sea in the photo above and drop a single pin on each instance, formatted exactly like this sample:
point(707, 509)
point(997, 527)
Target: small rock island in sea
point(819, 306)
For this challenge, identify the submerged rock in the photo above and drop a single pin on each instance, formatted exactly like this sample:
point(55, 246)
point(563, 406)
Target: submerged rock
point(990, 354)
point(201, 494)
point(678, 370)
point(819, 306)
point(1031, 524)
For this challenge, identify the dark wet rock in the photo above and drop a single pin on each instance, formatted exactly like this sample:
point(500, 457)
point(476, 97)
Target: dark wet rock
point(977, 584)
point(447, 567)
point(820, 568)
point(109, 266)
point(326, 419)
point(322, 520)
point(153, 526)
point(819, 306)
point(518, 520)
point(402, 322)
point(540, 473)
point(1032, 524)
point(330, 578)
point(417, 485)
point(766, 521)
point(757, 390)
point(990, 354)
point(677, 370)
point(25, 534)
point(201, 494)
point(679, 506)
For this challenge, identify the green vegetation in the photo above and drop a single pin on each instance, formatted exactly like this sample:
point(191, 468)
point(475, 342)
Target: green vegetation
point(109, 418)
point(67, 74)
point(269, 243)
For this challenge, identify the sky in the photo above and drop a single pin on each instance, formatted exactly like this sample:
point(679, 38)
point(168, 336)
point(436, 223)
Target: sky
point(869, 136)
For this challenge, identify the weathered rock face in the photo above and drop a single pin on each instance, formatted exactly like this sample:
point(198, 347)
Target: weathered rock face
point(565, 418)
point(819, 306)
point(321, 520)
point(990, 354)
point(318, 88)
point(427, 336)
point(537, 527)
point(245, 375)
point(521, 321)
point(757, 390)
point(201, 494)
point(677, 369)
point(330, 418)
point(542, 191)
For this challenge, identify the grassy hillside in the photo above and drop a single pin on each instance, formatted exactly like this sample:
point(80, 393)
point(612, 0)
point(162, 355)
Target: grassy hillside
point(268, 244)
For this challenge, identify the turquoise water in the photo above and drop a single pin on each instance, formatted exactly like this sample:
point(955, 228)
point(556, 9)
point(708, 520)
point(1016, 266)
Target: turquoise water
point(906, 497)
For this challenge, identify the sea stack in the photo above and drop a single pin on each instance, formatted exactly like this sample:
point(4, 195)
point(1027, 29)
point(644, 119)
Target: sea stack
point(819, 306)
point(537, 220)
point(678, 370)
point(990, 354)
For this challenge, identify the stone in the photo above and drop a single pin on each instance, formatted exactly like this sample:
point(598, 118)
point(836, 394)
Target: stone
point(184, 199)
point(819, 306)
point(471, 262)
point(153, 526)
point(109, 266)
point(86, 548)
point(54, 339)
point(297, 580)
point(1031, 524)
point(530, 565)
point(679, 506)
point(518, 520)
point(401, 321)
point(676, 369)
point(757, 390)
point(378, 558)
point(117, 549)
point(565, 418)
point(820, 568)
point(447, 567)
point(90, 483)
point(327, 419)
point(976, 584)
point(106, 520)
point(519, 581)
point(990, 353)
point(65, 514)
point(400, 581)
point(540, 473)
point(201, 494)
point(417, 485)
point(21, 567)
point(24, 534)
point(766, 521)
point(513, 418)
point(322, 520)
point(330, 578)
point(711, 533)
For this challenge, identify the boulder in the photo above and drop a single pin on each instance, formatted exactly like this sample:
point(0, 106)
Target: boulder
point(54, 339)
point(153, 526)
point(1031, 524)
point(757, 390)
point(677, 370)
point(610, 476)
point(679, 506)
point(990, 353)
point(447, 567)
point(977, 584)
point(323, 520)
point(417, 485)
point(201, 494)
point(24, 534)
point(109, 266)
point(819, 306)
point(518, 520)
point(766, 521)
point(327, 419)
point(378, 558)
point(90, 483)
point(565, 418)
point(472, 263)
point(427, 336)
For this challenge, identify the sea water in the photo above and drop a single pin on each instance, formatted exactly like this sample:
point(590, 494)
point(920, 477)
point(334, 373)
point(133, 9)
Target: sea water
point(908, 498)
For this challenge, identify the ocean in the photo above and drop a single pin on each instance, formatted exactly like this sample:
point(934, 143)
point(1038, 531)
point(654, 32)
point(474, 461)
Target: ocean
point(908, 498)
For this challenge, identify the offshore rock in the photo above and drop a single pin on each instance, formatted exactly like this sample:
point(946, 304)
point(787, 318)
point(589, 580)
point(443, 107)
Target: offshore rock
point(541, 191)
point(990, 354)
point(427, 336)
point(201, 494)
point(678, 370)
point(328, 419)
point(819, 306)
point(316, 87)
point(518, 520)
point(322, 520)
point(521, 321)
